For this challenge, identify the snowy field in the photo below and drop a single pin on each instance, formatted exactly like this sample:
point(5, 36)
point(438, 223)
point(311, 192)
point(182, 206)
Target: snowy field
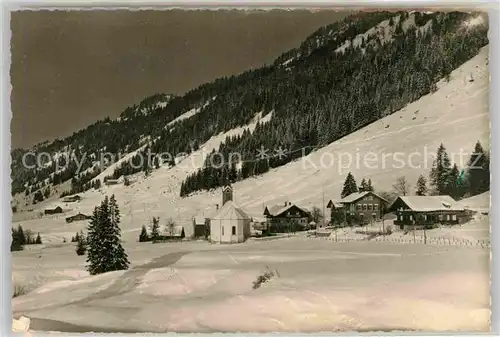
point(322, 286)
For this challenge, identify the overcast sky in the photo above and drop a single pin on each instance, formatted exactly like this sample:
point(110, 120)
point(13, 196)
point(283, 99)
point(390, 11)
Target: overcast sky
point(71, 68)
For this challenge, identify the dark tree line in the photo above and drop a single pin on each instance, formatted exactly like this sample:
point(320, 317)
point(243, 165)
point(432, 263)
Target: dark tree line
point(20, 238)
point(449, 179)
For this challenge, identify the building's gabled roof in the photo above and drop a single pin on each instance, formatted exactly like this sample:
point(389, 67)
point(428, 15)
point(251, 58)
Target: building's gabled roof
point(258, 219)
point(78, 214)
point(428, 203)
point(358, 195)
point(230, 211)
point(72, 197)
point(277, 210)
point(335, 204)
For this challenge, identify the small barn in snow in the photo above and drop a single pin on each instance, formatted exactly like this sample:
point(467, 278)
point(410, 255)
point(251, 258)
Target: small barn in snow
point(56, 210)
point(72, 198)
point(77, 217)
point(230, 224)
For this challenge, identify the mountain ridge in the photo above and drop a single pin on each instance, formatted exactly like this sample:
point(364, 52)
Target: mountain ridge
point(242, 96)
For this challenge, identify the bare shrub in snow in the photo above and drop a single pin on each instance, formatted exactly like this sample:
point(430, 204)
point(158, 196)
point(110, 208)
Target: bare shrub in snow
point(266, 276)
point(19, 290)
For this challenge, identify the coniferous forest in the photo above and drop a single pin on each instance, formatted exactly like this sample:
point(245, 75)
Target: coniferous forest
point(319, 92)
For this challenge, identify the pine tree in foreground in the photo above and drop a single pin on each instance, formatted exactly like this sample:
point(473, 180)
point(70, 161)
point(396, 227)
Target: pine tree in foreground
point(421, 186)
point(104, 250)
point(350, 186)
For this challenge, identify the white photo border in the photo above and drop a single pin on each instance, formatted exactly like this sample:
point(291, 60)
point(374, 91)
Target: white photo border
point(491, 6)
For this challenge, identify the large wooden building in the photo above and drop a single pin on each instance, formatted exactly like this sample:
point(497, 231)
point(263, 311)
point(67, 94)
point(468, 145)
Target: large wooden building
point(286, 218)
point(427, 210)
point(362, 208)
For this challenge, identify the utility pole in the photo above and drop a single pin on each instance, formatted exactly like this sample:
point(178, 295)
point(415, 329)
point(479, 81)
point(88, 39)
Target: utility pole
point(383, 224)
point(414, 234)
point(324, 214)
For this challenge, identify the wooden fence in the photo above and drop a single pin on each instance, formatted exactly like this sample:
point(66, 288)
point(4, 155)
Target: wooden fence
point(440, 241)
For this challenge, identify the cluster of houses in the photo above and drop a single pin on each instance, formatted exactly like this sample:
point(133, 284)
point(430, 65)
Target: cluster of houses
point(362, 208)
point(230, 224)
point(59, 210)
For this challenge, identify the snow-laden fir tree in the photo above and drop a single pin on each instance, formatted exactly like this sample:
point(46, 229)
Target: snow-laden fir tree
point(421, 188)
point(350, 186)
point(478, 171)
point(38, 239)
point(440, 172)
point(104, 250)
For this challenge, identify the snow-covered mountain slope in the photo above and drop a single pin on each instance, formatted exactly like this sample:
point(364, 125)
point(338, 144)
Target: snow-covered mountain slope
point(401, 144)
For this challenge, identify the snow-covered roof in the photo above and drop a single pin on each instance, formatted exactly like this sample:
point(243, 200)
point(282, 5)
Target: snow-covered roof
point(335, 204)
point(279, 209)
point(230, 211)
point(358, 195)
point(429, 203)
